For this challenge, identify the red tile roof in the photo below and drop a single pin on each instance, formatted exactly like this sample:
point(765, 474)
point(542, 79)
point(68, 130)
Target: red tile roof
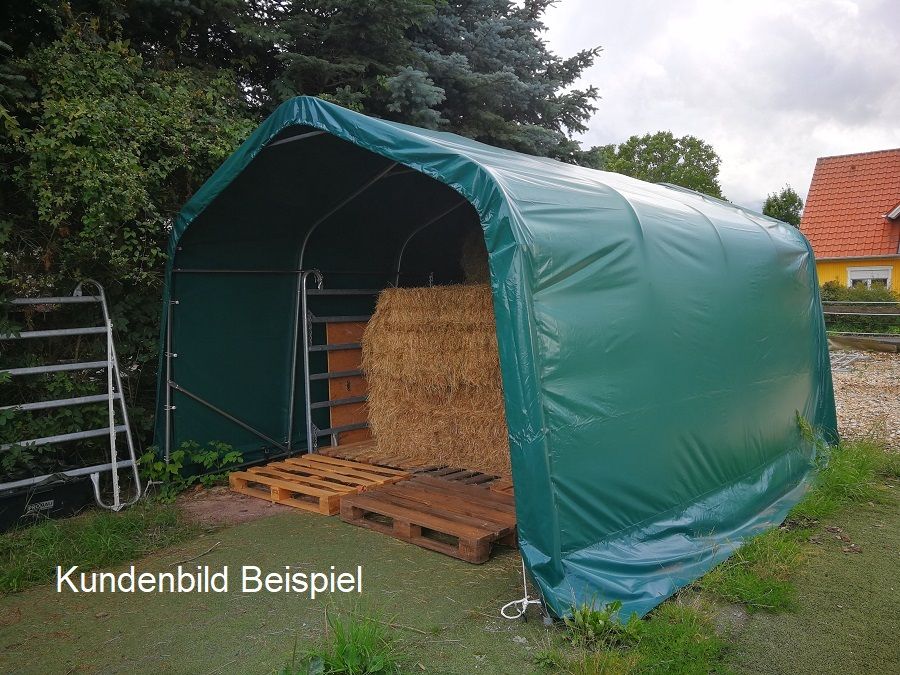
point(847, 202)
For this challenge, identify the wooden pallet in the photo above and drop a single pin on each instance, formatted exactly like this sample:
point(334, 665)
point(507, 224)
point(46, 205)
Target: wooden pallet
point(451, 517)
point(502, 485)
point(367, 451)
point(311, 482)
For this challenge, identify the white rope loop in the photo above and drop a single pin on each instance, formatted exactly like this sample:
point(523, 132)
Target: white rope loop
point(519, 606)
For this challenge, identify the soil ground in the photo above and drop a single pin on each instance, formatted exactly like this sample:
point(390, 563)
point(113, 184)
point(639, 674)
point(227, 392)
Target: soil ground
point(220, 506)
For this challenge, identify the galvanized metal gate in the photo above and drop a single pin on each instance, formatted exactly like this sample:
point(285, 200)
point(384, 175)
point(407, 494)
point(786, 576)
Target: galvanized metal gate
point(113, 396)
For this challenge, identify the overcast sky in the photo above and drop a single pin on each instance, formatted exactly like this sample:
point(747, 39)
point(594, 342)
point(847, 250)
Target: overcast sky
point(771, 84)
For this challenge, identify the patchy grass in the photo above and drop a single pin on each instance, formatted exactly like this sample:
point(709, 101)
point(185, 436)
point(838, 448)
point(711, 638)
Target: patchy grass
point(848, 476)
point(674, 638)
point(589, 627)
point(760, 574)
point(95, 539)
point(355, 645)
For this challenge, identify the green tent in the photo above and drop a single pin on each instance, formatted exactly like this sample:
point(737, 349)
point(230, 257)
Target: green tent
point(657, 346)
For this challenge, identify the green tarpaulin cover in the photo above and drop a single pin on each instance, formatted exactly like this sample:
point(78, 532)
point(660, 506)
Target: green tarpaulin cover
point(657, 346)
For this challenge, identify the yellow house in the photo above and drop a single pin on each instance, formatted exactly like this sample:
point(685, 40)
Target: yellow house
point(852, 218)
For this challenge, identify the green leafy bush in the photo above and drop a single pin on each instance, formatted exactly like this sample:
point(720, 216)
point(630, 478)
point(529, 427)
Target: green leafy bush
point(189, 465)
point(602, 627)
point(833, 291)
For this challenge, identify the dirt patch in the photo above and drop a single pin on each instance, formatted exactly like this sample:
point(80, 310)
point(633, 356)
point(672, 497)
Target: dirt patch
point(867, 391)
point(220, 506)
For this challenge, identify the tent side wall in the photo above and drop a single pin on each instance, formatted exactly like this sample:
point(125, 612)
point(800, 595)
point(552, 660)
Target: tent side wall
point(656, 347)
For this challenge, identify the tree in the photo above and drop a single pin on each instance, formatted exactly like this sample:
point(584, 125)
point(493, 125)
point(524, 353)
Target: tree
point(785, 205)
point(475, 67)
point(661, 158)
point(500, 83)
point(106, 154)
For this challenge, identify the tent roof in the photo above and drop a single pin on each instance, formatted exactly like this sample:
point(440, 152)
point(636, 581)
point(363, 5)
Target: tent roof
point(656, 345)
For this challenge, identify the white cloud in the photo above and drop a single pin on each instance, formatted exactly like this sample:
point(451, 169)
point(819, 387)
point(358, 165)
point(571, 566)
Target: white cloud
point(772, 85)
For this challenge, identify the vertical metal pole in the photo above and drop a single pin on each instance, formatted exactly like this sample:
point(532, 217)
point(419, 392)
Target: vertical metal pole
point(310, 436)
point(168, 441)
point(113, 454)
point(289, 441)
point(113, 365)
point(301, 322)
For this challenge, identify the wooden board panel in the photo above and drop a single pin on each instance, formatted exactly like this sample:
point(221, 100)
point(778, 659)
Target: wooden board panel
point(344, 387)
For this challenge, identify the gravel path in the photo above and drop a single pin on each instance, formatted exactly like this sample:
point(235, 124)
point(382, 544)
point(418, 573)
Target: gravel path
point(867, 393)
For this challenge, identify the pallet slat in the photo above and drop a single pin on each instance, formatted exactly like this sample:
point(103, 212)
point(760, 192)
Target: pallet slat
point(309, 483)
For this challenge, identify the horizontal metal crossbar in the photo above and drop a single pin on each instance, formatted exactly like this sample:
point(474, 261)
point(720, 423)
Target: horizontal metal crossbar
point(185, 270)
point(299, 137)
point(863, 314)
point(361, 318)
point(83, 471)
point(58, 332)
point(337, 347)
point(343, 291)
point(335, 374)
point(58, 368)
point(342, 429)
point(62, 438)
point(338, 401)
point(61, 402)
point(61, 300)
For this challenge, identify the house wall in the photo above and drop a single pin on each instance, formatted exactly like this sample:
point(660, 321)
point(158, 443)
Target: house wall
point(836, 269)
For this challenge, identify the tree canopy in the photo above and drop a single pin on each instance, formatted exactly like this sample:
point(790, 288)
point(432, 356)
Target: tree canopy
point(784, 205)
point(661, 158)
point(113, 112)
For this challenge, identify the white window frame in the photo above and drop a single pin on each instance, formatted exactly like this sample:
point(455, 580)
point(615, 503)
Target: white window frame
point(866, 274)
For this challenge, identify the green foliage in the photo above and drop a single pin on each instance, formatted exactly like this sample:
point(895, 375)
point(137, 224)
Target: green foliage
point(189, 465)
point(602, 627)
point(113, 113)
point(661, 158)
point(109, 149)
point(356, 645)
point(785, 205)
point(674, 638)
point(499, 82)
point(833, 291)
point(29, 557)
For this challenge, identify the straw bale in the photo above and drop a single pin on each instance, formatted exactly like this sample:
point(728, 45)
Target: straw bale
point(435, 394)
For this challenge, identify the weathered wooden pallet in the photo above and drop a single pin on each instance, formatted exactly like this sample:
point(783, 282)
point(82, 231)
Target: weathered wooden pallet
point(502, 485)
point(451, 517)
point(367, 451)
point(311, 482)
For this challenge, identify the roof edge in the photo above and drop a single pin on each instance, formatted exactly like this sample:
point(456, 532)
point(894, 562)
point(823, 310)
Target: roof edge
point(858, 154)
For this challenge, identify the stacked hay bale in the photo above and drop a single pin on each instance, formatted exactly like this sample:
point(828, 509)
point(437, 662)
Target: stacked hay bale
point(435, 395)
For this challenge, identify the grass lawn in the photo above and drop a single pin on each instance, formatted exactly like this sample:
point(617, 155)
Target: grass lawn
point(847, 617)
point(782, 604)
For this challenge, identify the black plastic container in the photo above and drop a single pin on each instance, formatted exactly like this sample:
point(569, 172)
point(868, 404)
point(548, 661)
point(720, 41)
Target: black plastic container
point(57, 497)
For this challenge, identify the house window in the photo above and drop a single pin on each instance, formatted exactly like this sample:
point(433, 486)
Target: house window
point(869, 276)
